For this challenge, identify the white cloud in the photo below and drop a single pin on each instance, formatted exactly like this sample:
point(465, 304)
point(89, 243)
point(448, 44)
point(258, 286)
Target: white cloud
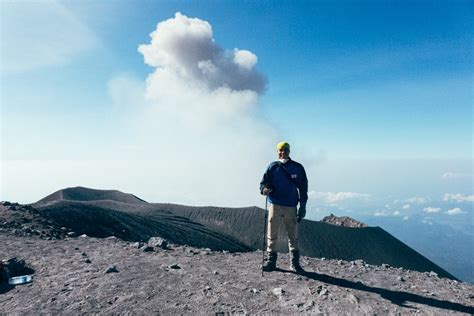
point(454, 175)
point(385, 212)
point(41, 34)
point(406, 206)
point(455, 211)
point(245, 59)
point(431, 209)
point(427, 220)
point(458, 197)
point(405, 218)
point(381, 213)
point(334, 197)
point(416, 200)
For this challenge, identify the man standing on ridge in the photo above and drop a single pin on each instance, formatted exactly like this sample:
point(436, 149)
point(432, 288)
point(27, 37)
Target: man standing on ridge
point(285, 183)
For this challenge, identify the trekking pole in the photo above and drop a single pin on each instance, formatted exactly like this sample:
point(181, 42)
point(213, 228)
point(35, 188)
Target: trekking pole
point(265, 233)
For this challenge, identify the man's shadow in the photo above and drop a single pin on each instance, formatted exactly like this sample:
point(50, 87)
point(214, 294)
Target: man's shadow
point(396, 297)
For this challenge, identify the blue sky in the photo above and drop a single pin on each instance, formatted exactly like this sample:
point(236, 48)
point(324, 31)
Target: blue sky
point(374, 96)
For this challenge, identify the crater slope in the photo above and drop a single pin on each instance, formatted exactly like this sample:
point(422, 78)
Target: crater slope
point(102, 213)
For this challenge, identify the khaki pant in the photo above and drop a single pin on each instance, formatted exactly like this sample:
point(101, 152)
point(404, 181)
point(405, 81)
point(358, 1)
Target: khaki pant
point(278, 216)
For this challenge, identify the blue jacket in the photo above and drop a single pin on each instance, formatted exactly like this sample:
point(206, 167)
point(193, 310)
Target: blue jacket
point(288, 183)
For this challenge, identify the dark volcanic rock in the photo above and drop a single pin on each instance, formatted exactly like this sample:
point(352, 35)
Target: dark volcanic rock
point(14, 267)
point(25, 220)
point(111, 269)
point(174, 266)
point(147, 248)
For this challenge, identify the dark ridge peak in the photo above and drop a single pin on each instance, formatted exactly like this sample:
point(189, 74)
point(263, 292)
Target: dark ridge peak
point(84, 194)
point(345, 221)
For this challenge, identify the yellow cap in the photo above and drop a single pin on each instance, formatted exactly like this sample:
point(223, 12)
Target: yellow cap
point(283, 145)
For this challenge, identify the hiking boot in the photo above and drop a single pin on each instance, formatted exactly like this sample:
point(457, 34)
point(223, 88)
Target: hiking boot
point(270, 262)
point(295, 262)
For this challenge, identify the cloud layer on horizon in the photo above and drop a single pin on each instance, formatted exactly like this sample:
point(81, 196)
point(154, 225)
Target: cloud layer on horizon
point(458, 197)
point(333, 198)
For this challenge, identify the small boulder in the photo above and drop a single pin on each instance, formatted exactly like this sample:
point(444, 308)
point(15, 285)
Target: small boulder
point(111, 269)
point(158, 242)
point(433, 274)
point(137, 245)
point(353, 299)
point(309, 304)
point(324, 292)
point(14, 267)
point(278, 291)
point(174, 266)
point(147, 248)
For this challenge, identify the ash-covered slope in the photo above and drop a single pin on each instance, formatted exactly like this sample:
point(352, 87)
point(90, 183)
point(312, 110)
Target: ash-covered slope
point(245, 223)
point(136, 221)
point(317, 239)
point(233, 229)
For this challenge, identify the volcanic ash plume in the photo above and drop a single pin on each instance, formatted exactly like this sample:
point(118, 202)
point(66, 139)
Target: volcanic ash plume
point(200, 117)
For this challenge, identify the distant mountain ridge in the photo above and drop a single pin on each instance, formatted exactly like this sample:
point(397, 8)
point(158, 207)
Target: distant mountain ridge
point(83, 194)
point(234, 229)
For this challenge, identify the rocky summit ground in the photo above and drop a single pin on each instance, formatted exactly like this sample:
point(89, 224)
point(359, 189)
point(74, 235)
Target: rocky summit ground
point(110, 276)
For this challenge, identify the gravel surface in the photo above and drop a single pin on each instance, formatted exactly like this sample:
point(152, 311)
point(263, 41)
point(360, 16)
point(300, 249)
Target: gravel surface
point(111, 276)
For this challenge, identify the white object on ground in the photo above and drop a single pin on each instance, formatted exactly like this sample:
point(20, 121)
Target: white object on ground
point(20, 279)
